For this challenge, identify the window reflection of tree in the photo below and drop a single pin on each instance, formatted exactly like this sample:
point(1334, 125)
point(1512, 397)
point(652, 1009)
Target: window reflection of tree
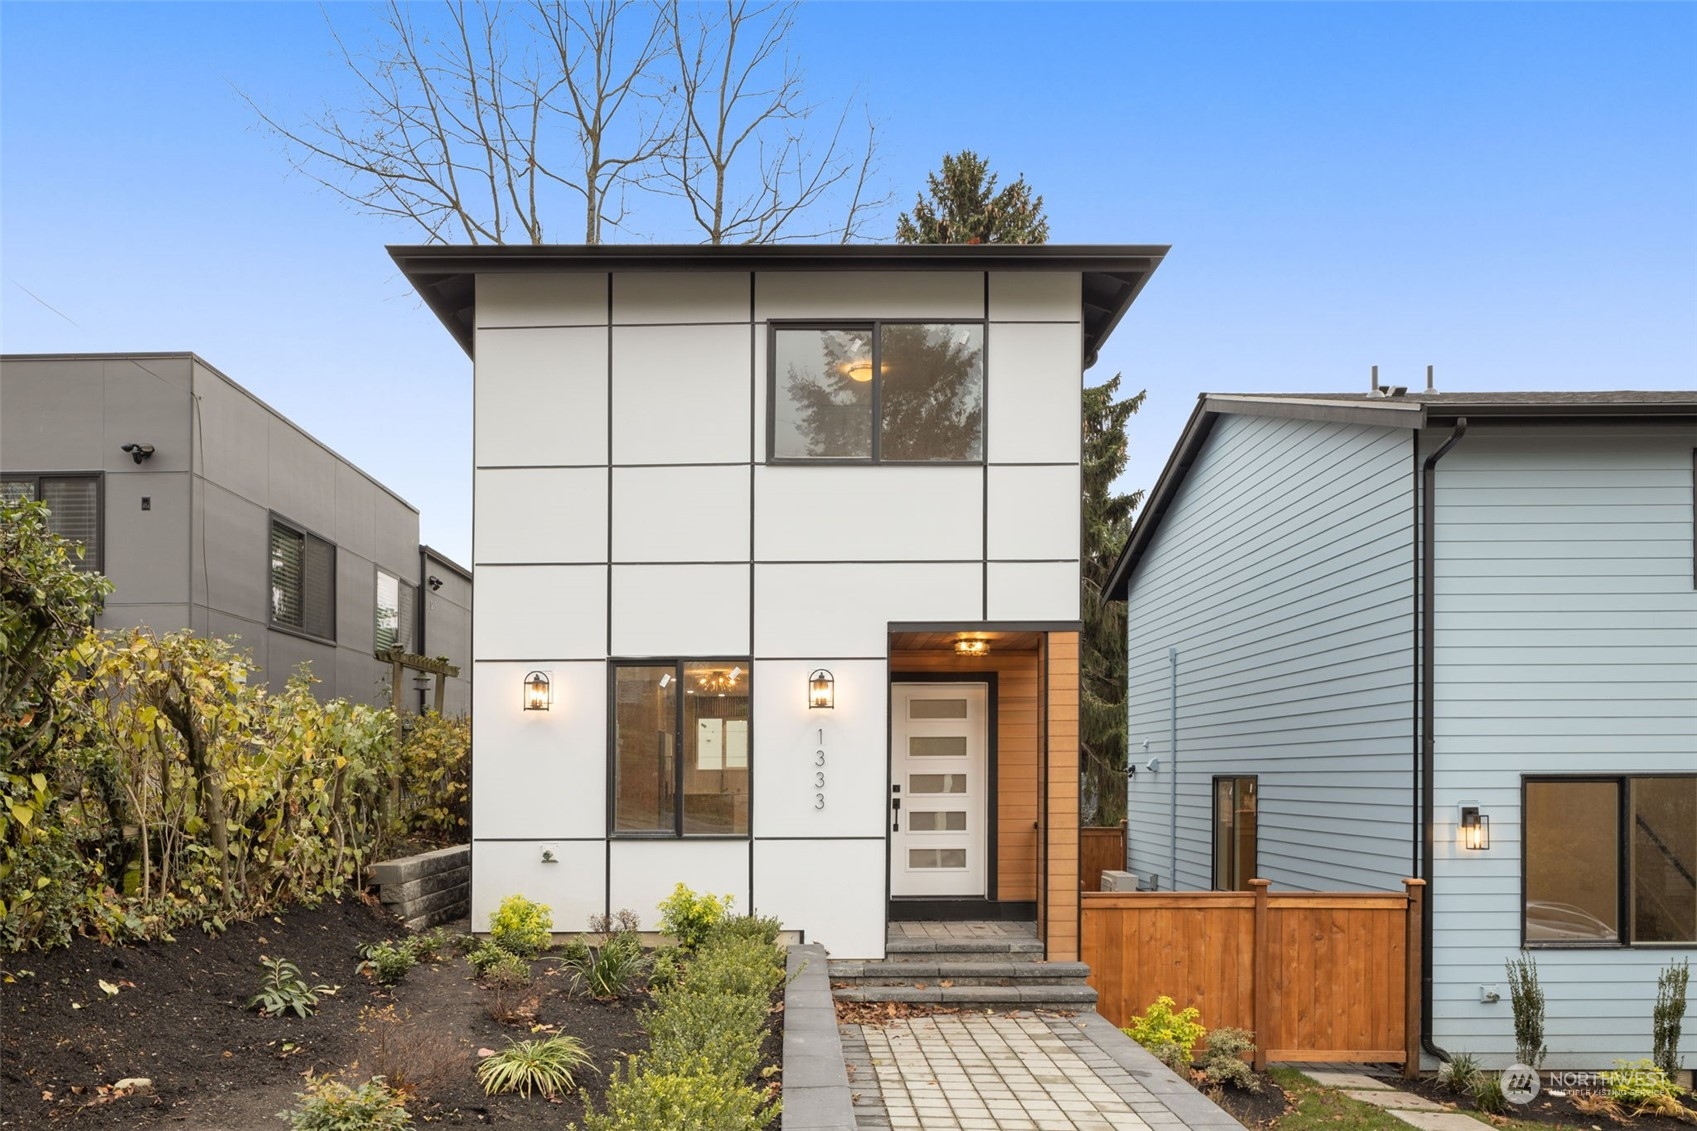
point(931, 393)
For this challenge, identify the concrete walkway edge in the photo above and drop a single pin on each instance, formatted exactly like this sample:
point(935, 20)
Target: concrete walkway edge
point(816, 1084)
point(1193, 1109)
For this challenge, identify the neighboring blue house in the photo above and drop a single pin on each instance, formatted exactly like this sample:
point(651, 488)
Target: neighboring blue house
point(1280, 581)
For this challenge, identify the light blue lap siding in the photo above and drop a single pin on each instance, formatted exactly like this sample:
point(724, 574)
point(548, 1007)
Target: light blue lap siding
point(1283, 574)
point(1567, 644)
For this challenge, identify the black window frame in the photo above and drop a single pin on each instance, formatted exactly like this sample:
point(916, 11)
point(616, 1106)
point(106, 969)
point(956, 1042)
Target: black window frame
point(1623, 865)
point(678, 663)
point(94, 562)
point(874, 327)
point(1213, 826)
point(271, 621)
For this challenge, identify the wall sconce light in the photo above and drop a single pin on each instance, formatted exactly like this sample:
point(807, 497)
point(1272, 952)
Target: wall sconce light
point(1475, 828)
point(821, 690)
point(538, 692)
point(1153, 765)
point(972, 647)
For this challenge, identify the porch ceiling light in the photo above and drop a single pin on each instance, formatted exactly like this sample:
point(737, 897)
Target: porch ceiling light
point(1475, 829)
point(538, 692)
point(821, 690)
point(972, 647)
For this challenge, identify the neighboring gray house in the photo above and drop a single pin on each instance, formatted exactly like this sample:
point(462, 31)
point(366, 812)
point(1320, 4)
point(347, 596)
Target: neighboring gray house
point(210, 511)
point(1279, 584)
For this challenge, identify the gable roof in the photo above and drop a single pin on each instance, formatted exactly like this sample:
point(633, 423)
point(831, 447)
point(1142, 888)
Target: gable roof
point(1413, 411)
point(1113, 274)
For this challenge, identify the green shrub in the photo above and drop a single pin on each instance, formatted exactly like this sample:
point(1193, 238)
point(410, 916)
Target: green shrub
point(486, 955)
point(688, 917)
point(606, 971)
point(547, 1066)
point(1667, 1019)
point(1223, 1063)
point(1170, 1036)
point(1487, 1093)
point(743, 966)
point(643, 1100)
point(665, 969)
point(435, 767)
point(330, 1105)
point(509, 973)
point(283, 989)
point(1639, 1083)
point(427, 946)
point(522, 927)
point(1528, 1000)
point(684, 1027)
point(389, 961)
point(1461, 1074)
point(762, 928)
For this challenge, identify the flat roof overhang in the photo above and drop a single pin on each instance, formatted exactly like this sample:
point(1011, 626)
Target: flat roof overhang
point(1113, 274)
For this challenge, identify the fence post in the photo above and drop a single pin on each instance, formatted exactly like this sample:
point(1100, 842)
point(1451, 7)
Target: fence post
point(1416, 918)
point(1261, 965)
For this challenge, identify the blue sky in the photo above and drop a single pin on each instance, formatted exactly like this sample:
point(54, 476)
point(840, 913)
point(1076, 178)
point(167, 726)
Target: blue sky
point(1507, 192)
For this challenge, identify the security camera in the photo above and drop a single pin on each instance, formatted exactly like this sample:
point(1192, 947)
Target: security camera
point(138, 452)
point(434, 582)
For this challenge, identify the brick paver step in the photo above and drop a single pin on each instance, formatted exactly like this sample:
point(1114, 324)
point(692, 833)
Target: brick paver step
point(1026, 995)
point(968, 973)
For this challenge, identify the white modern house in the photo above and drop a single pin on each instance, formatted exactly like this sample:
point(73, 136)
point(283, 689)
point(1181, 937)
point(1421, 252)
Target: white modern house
point(777, 563)
point(1450, 636)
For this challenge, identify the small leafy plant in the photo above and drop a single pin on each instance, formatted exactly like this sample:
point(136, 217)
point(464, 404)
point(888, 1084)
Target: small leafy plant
point(1461, 1074)
point(608, 970)
point(1487, 1093)
point(624, 919)
point(414, 1056)
point(283, 989)
point(1170, 1036)
point(388, 961)
point(1528, 1001)
point(522, 926)
point(1640, 1084)
point(1668, 1018)
point(1223, 1063)
point(688, 917)
point(548, 1066)
point(330, 1105)
point(639, 1099)
point(665, 969)
point(486, 955)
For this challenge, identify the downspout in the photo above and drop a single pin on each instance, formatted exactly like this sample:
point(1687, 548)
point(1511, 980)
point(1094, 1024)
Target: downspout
point(1172, 749)
point(418, 601)
point(1428, 717)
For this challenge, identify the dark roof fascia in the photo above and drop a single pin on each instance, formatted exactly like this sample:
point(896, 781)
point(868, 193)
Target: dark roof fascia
point(438, 556)
point(1184, 453)
point(445, 275)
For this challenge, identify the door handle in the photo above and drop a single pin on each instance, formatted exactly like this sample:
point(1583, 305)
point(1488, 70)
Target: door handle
point(896, 814)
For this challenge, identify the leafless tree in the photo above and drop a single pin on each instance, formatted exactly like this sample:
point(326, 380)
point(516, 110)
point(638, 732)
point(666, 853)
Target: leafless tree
point(474, 133)
point(743, 161)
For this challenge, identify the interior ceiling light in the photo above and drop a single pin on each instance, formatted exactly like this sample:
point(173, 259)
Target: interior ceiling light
point(860, 369)
point(972, 647)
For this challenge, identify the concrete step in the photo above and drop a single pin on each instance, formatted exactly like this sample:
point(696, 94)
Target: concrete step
point(1026, 995)
point(963, 950)
point(979, 973)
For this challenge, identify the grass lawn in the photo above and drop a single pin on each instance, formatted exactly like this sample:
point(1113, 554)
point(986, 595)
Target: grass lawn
point(1314, 1108)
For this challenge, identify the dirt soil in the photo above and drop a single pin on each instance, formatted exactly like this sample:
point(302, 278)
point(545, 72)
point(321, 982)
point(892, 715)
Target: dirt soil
point(1553, 1108)
point(1252, 1109)
point(180, 1019)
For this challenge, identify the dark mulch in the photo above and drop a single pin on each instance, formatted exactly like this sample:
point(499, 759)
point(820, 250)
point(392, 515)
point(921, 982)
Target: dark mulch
point(179, 1018)
point(1552, 1107)
point(1252, 1109)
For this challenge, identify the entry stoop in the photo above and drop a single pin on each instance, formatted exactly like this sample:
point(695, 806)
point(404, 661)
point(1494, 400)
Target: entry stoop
point(979, 965)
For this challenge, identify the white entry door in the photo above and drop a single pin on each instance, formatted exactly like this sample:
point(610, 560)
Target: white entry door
point(939, 739)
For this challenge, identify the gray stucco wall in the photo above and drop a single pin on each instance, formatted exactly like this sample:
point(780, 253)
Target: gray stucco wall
point(1283, 575)
point(447, 624)
point(1566, 644)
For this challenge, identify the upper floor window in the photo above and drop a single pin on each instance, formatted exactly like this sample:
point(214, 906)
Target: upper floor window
point(73, 509)
point(396, 613)
point(303, 581)
point(879, 392)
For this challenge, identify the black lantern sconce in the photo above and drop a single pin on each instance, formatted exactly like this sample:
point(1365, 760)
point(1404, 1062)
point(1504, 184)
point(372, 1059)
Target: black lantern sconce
point(1475, 829)
point(821, 690)
point(538, 692)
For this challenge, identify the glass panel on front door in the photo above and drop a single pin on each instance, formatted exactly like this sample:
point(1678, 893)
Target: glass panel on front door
point(939, 800)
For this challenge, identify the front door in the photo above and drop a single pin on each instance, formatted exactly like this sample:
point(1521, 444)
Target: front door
point(939, 739)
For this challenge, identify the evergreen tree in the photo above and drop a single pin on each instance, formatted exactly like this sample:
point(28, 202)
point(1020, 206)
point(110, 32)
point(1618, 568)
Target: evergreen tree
point(1102, 645)
point(966, 208)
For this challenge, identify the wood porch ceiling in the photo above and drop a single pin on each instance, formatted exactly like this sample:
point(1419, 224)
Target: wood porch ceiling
point(945, 641)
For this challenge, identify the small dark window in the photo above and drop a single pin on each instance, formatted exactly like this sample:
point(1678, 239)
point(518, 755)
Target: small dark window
point(680, 748)
point(73, 509)
point(904, 392)
point(1234, 833)
point(396, 614)
point(303, 581)
point(1610, 861)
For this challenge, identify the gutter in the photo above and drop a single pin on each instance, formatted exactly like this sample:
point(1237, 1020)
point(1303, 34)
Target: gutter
point(1428, 714)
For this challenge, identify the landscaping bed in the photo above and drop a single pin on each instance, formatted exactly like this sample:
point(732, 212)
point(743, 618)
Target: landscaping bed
point(180, 1018)
point(1550, 1108)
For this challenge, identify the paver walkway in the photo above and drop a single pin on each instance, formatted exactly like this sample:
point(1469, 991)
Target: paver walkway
point(1357, 1082)
point(1042, 1071)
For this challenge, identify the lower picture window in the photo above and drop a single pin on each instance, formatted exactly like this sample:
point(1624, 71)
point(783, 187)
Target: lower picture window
point(1611, 860)
point(1234, 833)
point(680, 747)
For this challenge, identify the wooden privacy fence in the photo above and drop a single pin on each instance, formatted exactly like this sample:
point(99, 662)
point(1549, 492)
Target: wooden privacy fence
point(1099, 850)
point(1315, 976)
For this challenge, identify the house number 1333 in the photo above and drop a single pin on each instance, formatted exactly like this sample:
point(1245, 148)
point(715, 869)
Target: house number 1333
point(819, 772)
